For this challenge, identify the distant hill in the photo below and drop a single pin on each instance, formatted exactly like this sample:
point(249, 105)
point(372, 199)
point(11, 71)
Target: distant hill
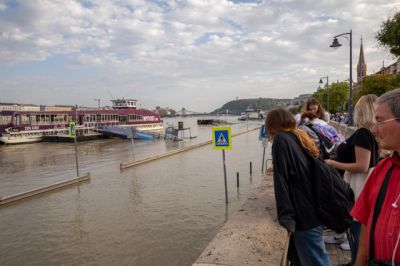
point(238, 106)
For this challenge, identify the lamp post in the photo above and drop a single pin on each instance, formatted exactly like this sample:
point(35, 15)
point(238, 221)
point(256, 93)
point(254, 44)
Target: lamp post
point(98, 102)
point(327, 88)
point(336, 44)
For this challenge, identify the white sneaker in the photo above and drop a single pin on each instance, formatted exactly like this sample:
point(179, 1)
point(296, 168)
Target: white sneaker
point(333, 239)
point(345, 245)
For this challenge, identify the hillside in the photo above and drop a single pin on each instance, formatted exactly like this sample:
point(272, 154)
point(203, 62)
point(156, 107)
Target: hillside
point(238, 106)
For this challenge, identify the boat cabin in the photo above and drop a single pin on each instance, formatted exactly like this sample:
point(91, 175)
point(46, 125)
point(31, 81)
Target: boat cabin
point(124, 103)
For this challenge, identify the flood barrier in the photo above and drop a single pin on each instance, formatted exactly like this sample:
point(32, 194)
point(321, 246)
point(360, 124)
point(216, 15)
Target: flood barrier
point(135, 163)
point(38, 191)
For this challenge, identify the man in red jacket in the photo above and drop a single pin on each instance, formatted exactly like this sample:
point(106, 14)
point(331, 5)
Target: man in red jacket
point(380, 245)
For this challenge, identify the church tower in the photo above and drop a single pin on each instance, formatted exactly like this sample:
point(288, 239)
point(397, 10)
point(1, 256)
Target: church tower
point(361, 66)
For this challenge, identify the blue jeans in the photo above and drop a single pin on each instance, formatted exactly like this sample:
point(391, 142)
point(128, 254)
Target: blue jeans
point(310, 247)
point(354, 236)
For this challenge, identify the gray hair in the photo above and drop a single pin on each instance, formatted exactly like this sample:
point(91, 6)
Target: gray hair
point(392, 98)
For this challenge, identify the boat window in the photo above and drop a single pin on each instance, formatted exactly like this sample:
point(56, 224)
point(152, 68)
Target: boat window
point(5, 119)
point(17, 120)
point(33, 119)
point(25, 119)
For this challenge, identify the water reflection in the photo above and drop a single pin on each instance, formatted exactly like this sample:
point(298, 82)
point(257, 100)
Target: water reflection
point(160, 213)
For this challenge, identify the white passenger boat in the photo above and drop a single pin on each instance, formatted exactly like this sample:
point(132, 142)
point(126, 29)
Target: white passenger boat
point(32, 126)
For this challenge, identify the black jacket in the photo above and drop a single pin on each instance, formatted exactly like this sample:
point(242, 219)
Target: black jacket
point(292, 182)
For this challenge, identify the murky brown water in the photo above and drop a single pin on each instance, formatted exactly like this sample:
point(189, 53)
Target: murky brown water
point(160, 213)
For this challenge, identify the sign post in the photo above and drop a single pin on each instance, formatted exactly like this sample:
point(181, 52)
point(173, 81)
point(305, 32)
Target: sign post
point(263, 137)
point(72, 135)
point(133, 147)
point(222, 140)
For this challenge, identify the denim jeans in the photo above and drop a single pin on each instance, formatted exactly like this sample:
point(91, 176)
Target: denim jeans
point(310, 247)
point(354, 236)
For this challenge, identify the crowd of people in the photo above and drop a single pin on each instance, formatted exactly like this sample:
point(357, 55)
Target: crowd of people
point(374, 234)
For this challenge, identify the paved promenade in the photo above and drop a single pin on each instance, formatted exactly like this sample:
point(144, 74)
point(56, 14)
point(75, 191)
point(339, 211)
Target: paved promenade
point(252, 236)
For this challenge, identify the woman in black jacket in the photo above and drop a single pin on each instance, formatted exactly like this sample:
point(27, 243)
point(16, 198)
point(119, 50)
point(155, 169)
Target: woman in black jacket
point(293, 188)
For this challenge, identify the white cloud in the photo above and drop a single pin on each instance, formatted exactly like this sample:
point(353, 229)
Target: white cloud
point(195, 53)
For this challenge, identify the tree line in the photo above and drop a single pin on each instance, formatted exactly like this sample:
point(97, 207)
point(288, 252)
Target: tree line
point(335, 96)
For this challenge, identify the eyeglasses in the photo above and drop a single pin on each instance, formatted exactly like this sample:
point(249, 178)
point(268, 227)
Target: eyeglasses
point(379, 124)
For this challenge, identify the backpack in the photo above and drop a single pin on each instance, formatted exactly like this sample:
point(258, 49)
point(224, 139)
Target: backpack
point(329, 133)
point(334, 198)
point(325, 144)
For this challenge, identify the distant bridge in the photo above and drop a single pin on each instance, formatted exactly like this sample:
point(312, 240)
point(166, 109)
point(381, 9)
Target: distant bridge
point(185, 112)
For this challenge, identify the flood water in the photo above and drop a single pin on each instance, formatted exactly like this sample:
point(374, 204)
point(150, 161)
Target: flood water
point(160, 213)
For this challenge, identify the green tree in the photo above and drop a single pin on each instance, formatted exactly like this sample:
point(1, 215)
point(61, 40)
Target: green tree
point(322, 96)
point(377, 84)
point(388, 35)
point(338, 97)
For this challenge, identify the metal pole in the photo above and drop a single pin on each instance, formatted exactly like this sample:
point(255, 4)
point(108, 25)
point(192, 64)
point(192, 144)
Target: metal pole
point(351, 80)
point(237, 179)
point(251, 168)
point(226, 187)
point(133, 150)
point(263, 159)
point(327, 90)
point(76, 140)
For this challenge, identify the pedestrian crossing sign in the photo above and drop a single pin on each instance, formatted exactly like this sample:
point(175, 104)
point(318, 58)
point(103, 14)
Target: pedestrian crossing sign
point(72, 130)
point(221, 138)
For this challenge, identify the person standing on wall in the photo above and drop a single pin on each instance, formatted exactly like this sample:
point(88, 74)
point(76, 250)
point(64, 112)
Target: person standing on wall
point(295, 202)
point(357, 157)
point(378, 206)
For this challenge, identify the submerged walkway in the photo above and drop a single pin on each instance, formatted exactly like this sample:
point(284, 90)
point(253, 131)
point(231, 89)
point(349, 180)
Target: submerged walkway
point(252, 236)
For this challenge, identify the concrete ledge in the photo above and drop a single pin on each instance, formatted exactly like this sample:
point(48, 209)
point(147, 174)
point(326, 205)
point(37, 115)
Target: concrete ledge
point(252, 236)
point(134, 163)
point(34, 192)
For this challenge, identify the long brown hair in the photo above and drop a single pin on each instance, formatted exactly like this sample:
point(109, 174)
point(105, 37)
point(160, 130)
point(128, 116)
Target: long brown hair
point(320, 111)
point(281, 120)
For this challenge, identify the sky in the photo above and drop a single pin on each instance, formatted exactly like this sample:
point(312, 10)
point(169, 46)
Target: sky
point(196, 54)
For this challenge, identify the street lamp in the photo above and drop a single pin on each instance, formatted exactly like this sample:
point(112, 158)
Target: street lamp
point(336, 44)
point(327, 88)
point(98, 102)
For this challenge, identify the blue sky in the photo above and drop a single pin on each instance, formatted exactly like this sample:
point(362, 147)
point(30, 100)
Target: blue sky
point(196, 54)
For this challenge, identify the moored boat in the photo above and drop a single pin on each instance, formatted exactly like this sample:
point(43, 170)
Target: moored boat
point(32, 126)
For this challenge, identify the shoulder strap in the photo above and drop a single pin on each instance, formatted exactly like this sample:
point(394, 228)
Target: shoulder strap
point(377, 210)
point(374, 145)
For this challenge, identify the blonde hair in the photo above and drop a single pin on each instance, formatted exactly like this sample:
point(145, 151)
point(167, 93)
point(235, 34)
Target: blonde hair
point(364, 112)
point(281, 120)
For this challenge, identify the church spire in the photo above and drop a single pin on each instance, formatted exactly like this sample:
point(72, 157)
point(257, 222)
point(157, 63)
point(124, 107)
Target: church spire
point(361, 66)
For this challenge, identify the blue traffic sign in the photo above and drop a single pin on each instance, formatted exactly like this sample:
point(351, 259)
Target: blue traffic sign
point(222, 139)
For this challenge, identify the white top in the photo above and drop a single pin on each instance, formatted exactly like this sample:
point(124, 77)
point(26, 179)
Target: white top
point(327, 117)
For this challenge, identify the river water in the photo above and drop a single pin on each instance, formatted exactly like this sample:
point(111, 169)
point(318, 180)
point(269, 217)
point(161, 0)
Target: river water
point(160, 213)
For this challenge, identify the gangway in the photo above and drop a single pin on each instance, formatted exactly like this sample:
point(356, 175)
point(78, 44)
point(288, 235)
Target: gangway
point(173, 133)
point(126, 133)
